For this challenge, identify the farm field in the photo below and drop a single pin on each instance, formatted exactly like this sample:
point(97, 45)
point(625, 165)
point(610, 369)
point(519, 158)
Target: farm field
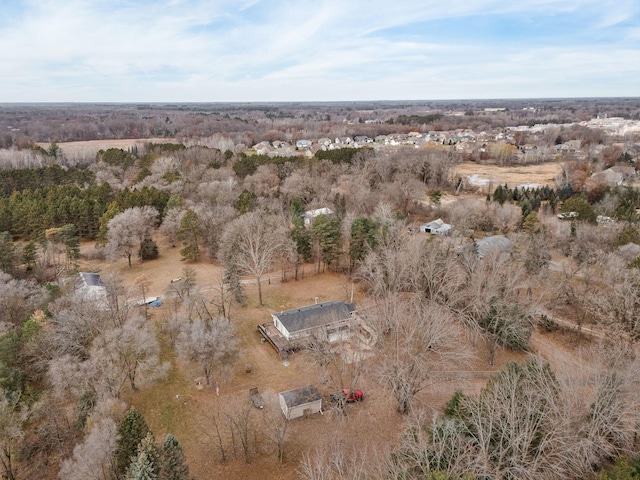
point(485, 178)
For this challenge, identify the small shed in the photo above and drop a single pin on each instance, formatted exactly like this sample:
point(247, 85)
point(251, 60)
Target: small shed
point(494, 244)
point(300, 402)
point(437, 227)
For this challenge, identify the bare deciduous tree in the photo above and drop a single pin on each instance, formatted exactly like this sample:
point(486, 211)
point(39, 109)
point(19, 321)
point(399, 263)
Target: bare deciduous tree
point(129, 353)
point(133, 350)
point(339, 366)
point(339, 461)
point(12, 416)
point(209, 342)
point(530, 422)
point(420, 341)
point(253, 243)
point(223, 298)
point(275, 423)
point(93, 459)
point(387, 269)
point(128, 229)
point(18, 298)
point(171, 224)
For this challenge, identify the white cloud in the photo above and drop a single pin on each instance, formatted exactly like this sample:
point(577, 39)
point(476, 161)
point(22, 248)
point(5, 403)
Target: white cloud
point(198, 50)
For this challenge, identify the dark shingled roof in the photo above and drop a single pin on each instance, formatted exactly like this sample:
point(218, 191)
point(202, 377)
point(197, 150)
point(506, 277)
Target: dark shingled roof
point(315, 315)
point(300, 396)
point(91, 279)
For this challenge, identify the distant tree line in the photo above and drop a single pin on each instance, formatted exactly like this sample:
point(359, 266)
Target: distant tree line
point(416, 119)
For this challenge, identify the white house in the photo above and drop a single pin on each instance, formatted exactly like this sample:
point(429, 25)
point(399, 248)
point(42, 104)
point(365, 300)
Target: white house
point(303, 144)
point(302, 322)
point(309, 215)
point(437, 227)
point(300, 402)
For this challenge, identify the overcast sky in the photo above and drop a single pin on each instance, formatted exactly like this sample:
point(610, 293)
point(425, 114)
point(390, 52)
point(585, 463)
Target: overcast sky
point(320, 50)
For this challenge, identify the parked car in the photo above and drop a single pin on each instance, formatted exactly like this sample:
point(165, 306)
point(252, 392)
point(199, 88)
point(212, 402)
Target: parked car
point(348, 395)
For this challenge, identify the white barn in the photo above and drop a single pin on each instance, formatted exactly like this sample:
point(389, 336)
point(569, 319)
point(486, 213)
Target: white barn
point(437, 227)
point(300, 402)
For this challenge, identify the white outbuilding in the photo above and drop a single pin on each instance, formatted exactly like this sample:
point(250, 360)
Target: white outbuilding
point(437, 227)
point(300, 402)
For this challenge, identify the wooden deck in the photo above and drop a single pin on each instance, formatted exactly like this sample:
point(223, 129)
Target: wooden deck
point(275, 338)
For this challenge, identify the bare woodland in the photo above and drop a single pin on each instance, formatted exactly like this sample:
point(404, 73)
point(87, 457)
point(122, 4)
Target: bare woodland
point(80, 372)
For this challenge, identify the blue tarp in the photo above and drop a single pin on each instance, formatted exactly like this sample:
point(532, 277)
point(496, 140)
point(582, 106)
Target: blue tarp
point(155, 303)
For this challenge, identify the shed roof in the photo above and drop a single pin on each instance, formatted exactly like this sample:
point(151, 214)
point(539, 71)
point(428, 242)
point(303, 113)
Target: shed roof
point(495, 243)
point(91, 279)
point(89, 287)
point(300, 396)
point(434, 223)
point(311, 214)
point(316, 315)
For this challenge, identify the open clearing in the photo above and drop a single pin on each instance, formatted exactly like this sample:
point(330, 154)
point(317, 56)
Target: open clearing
point(487, 177)
point(112, 143)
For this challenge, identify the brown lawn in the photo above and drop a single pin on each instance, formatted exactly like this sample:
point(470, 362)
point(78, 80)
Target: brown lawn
point(70, 147)
point(176, 405)
point(494, 175)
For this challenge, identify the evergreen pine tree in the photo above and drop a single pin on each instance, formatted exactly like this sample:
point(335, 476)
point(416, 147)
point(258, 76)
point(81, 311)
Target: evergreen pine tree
point(7, 253)
point(146, 464)
point(173, 465)
point(190, 233)
point(133, 428)
point(148, 249)
point(69, 237)
point(29, 255)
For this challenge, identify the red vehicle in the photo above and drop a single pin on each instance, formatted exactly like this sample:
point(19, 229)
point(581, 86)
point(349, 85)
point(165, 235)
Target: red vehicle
point(348, 395)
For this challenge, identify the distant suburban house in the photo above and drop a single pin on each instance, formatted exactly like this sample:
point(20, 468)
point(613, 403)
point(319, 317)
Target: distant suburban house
point(300, 402)
point(630, 251)
point(627, 172)
point(437, 227)
point(608, 177)
point(303, 144)
point(567, 215)
point(310, 215)
point(89, 287)
point(302, 322)
point(493, 245)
